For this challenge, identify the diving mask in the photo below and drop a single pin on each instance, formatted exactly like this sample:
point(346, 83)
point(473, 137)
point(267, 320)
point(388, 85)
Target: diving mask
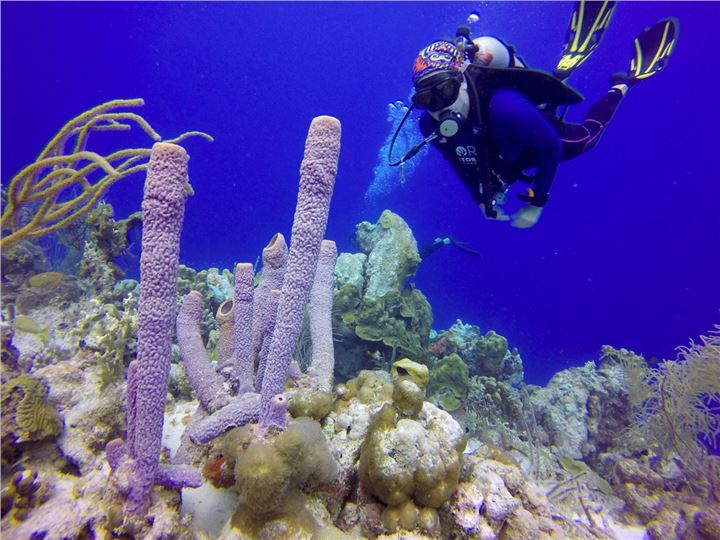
point(438, 91)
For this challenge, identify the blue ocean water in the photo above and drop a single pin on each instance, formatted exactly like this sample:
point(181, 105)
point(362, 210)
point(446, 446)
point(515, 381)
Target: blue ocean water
point(625, 254)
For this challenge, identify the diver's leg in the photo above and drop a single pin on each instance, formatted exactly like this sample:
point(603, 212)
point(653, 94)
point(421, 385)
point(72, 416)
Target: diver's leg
point(524, 137)
point(578, 138)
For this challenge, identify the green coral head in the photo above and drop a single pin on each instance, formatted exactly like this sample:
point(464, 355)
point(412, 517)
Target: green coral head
point(419, 373)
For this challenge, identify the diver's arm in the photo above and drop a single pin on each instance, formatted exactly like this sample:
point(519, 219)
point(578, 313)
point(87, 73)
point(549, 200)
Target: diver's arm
point(432, 248)
point(462, 246)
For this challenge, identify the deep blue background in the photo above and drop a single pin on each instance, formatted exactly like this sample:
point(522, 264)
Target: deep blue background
point(626, 252)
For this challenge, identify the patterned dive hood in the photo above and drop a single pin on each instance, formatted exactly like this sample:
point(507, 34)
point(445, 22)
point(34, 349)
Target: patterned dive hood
point(438, 56)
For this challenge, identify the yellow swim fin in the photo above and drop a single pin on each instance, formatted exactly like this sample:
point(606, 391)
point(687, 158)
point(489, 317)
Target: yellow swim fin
point(587, 24)
point(653, 47)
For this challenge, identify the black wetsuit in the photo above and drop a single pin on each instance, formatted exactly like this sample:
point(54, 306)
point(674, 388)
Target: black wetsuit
point(519, 137)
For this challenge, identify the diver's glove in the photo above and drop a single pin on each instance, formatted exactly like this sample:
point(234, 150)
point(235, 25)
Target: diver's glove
point(500, 214)
point(535, 198)
point(527, 217)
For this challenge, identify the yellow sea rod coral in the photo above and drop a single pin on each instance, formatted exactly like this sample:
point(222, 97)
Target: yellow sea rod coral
point(65, 164)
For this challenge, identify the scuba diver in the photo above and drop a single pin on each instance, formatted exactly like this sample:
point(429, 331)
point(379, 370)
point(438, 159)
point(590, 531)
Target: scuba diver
point(442, 241)
point(497, 121)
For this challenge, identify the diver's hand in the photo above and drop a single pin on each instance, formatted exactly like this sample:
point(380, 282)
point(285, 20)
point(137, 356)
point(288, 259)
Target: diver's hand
point(501, 215)
point(527, 217)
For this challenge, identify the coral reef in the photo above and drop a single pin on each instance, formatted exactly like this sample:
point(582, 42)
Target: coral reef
point(449, 382)
point(676, 405)
point(581, 410)
point(23, 259)
point(110, 334)
point(373, 306)
point(107, 238)
point(9, 355)
point(92, 412)
point(664, 502)
point(450, 444)
point(21, 494)
point(495, 500)
point(485, 355)
point(316, 405)
point(271, 471)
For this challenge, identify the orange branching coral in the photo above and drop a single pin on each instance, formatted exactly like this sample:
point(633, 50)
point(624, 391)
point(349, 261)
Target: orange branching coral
point(47, 190)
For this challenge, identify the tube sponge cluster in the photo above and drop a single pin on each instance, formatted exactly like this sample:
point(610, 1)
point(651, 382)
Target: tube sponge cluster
point(268, 320)
point(317, 180)
point(136, 464)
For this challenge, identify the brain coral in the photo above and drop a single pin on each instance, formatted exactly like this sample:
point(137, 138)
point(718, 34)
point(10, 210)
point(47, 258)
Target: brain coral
point(26, 408)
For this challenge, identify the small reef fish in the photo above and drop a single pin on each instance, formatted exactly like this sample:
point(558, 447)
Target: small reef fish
point(26, 324)
point(44, 280)
point(578, 468)
point(8, 312)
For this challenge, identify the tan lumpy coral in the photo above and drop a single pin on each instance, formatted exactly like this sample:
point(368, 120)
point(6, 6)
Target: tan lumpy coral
point(406, 459)
point(316, 404)
point(270, 471)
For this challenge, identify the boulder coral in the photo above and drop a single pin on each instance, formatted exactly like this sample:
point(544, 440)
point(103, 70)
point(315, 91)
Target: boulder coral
point(409, 453)
point(449, 382)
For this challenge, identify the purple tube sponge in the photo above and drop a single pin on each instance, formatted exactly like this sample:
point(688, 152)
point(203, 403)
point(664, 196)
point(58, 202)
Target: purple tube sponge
point(242, 410)
point(163, 208)
point(320, 315)
point(225, 317)
point(244, 356)
point(277, 412)
point(200, 372)
point(274, 257)
point(130, 393)
point(317, 179)
point(269, 324)
point(178, 476)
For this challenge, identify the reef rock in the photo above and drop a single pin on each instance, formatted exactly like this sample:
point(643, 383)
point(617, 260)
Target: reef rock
point(92, 418)
point(485, 355)
point(377, 314)
point(495, 500)
point(582, 410)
